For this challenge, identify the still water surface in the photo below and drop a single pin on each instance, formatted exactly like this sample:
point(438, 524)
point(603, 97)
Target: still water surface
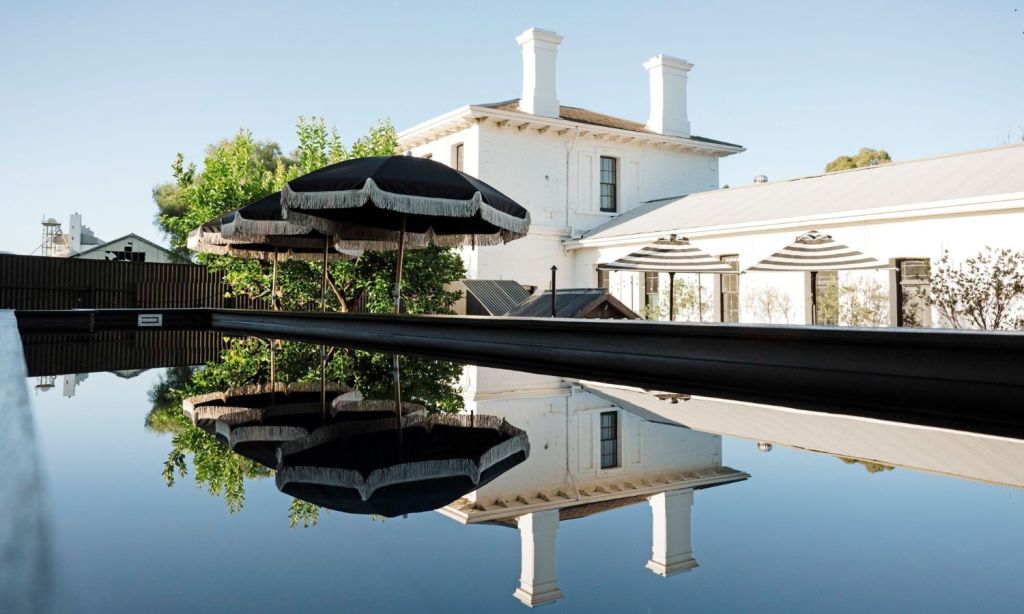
point(808, 531)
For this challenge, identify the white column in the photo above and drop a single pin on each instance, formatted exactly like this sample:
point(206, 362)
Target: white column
point(538, 582)
point(671, 552)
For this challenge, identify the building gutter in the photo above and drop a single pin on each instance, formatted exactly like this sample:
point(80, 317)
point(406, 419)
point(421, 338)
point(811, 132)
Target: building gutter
point(964, 206)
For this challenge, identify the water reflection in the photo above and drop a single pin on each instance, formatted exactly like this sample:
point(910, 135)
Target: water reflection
point(589, 456)
point(25, 580)
point(593, 448)
point(377, 467)
point(875, 445)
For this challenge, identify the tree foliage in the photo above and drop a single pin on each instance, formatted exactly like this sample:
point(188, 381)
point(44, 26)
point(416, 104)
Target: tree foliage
point(223, 473)
point(689, 307)
point(985, 291)
point(769, 305)
point(240, 170)
point(865, 157)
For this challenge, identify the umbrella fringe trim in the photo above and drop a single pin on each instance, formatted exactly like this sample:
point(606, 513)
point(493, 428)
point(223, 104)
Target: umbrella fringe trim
point(402, 473)
point(242, 227)
point(248, 434)
point(503, 220)
point(382, 199)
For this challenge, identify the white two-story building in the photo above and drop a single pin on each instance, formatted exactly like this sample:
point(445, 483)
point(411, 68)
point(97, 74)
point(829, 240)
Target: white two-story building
point(574, 169)
point(598, 187)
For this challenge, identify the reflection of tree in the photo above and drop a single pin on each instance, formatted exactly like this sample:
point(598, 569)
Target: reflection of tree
point(869, 466)
point(246, 361)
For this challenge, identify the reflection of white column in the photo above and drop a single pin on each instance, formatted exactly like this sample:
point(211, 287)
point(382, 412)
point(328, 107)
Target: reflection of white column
point(538, 583)
point(671, 552)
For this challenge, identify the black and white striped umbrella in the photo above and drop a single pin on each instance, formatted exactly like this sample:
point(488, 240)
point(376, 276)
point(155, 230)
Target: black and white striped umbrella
point(669, 256)
point(815, 251)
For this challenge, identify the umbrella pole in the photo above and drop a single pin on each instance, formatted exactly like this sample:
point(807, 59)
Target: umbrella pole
point(273, 285)
point(323, 277)
point(273, 374)
point(323, 383)
point(814, 297)
point(396, 377)
point(700, 302)
point(398, 268)
point(671, 296)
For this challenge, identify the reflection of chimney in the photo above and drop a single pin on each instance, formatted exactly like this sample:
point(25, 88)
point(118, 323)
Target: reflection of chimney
point(671, 552)
point(540, 49)
point(668, 95)
point(538, 582)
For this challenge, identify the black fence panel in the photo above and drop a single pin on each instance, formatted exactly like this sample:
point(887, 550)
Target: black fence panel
point(37, 282)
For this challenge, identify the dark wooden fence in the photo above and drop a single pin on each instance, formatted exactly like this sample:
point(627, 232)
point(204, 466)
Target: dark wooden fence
point(36, 282)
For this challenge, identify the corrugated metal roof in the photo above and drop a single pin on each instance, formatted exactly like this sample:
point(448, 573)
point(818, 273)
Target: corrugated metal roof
point(585, 116)
point(970, 174)
point(497, 296)
point(569, 303)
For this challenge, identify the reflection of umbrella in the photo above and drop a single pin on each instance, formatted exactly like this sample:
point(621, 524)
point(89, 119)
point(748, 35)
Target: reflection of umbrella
point(205, 409)
point(814, 251)
point(257, 433)
point(355, 467)
point(398, 200)
point(671, 256)
point(258, 231)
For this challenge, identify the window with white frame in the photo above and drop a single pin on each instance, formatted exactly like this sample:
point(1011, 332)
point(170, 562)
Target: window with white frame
point(609, 184)
point(729, 296)
point(609, 439)
point(458, 156)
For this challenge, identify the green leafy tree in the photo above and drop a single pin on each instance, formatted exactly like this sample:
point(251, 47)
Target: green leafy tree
point(985, 291)
point(865, 157)
point(240, 170)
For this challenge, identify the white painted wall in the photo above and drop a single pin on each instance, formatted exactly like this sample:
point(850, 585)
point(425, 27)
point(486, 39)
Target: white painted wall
point(556, 177)
point(564, 433)
point(927, 236)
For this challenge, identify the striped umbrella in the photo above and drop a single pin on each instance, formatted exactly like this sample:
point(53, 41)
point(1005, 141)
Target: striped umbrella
point(814, 251)
point(671, 256)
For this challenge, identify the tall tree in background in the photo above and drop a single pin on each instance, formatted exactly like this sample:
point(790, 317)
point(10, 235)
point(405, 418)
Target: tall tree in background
point(865, 157)
point(240, 170)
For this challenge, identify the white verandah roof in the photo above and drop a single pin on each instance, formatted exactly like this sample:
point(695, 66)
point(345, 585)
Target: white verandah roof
point(940, 181)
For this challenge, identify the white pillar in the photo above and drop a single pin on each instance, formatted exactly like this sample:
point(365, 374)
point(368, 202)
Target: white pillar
point(671, 552)
point(538, 582)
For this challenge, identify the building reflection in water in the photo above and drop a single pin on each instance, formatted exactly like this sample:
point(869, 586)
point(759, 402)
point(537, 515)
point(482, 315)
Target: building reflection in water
point(587, 456)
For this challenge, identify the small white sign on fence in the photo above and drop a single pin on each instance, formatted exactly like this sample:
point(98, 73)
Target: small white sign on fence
point(151, 319)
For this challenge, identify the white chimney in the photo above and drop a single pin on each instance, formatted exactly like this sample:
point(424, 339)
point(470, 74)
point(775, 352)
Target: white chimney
point(75, 230)
point(668, 95)
point(540, 50)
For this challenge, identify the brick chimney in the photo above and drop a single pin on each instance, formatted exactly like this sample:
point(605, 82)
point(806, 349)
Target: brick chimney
point(668, 95)
point(540, 50)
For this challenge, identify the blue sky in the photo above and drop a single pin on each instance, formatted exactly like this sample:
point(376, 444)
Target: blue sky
point(96, 99)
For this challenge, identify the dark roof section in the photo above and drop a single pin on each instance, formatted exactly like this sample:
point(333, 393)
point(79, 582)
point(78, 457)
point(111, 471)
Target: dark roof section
point(497, 296)
point(569, 303)
point(584, 116)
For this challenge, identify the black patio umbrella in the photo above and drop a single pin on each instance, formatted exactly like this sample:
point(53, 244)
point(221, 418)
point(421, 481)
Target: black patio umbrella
point(258, 231)
point(395, 202)
point(356, 467)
